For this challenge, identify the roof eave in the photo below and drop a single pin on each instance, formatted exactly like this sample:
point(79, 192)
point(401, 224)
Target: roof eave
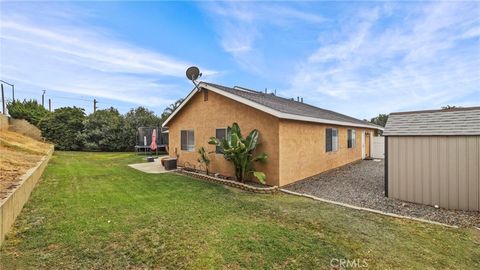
point(266, 109)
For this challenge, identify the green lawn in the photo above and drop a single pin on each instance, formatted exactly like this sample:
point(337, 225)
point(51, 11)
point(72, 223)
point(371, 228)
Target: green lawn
point(92, 211)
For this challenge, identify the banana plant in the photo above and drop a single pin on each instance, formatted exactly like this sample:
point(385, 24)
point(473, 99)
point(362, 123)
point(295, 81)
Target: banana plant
point(239, 151)
point(203, 159)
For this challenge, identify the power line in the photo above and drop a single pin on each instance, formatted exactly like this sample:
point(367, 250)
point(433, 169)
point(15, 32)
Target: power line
point(62, 97)
point(72, 98)
point(78, 99)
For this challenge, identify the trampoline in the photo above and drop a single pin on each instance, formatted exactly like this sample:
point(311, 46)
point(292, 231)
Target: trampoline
point(144, 140)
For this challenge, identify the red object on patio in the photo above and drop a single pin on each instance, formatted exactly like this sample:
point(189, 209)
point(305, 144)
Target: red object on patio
point(153, 145)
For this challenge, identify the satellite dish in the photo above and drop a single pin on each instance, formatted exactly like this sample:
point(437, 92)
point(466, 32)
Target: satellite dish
point(193, 73)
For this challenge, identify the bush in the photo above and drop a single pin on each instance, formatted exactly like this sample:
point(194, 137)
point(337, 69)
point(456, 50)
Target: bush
point(64, 128)
point(29, 110)
point(240, 151)
point(105, 130)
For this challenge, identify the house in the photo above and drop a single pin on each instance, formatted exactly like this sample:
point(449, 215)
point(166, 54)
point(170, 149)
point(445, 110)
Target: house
point(433, 157)
point(301, 140)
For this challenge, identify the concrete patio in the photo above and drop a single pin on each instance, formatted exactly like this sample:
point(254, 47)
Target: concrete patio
point(154, 167)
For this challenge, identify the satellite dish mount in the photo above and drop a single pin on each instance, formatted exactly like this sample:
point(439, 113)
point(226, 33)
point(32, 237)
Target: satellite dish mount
point(193, 73)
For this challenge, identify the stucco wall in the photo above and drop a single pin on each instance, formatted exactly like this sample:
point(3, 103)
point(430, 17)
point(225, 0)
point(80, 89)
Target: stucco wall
point(219, 112)
point(302, 150)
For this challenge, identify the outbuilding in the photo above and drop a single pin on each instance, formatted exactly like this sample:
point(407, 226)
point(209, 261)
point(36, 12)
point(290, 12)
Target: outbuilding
point(433, 157)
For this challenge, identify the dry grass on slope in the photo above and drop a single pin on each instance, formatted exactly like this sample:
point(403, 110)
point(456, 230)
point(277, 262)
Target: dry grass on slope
point(18, 153)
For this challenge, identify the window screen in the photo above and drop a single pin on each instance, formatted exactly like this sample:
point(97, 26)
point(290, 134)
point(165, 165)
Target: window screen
point(220, 134)
point(187, 138)
point(351, 138)
point(331, 139)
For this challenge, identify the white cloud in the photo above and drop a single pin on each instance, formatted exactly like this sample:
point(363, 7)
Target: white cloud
point(422, 58)
point(242, 24)
point(86, 60)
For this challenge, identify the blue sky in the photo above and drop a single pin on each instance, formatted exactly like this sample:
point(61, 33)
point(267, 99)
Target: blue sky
point(357, 58)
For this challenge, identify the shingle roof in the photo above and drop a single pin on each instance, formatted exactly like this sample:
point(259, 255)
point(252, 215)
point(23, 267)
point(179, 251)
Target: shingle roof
point(290, 106)
point(459, 121)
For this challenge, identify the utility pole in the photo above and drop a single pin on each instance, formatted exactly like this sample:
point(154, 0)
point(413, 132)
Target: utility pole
point(13, 88)
point(49, 105)
point(3, 100)
point(43, 98)
point(94, 105)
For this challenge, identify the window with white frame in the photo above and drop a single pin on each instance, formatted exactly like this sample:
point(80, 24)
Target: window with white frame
point(187, 140)
point(331, 140)
point(351, 138)
point(220, 133)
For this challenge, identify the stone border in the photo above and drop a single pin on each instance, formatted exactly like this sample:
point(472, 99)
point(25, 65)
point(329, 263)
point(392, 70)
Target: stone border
point(12, 205)
point(231, 183)
point(365, 209)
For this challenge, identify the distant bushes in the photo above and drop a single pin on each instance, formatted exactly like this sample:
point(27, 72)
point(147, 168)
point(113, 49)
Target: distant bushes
point(105, 130)
point(64, 128)
point(69, 128)
point(29, 110)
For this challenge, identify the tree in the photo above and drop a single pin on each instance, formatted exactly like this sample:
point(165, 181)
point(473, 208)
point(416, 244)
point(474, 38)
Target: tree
point(240, 151)
point(29, 110)
point(170, 109)
point(64, 128)
point(380, 120)
point(105, 130)
point(139, 117)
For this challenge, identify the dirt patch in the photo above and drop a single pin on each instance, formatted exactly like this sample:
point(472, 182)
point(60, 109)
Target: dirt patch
point(18, 153)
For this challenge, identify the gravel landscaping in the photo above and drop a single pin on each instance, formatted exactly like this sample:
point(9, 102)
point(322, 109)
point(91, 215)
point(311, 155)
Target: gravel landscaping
point(362, 184)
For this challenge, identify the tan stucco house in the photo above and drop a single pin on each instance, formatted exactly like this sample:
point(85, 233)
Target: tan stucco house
point(301, 140)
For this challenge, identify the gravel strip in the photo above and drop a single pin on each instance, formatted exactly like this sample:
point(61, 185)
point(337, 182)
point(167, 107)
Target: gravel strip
point(362, 184)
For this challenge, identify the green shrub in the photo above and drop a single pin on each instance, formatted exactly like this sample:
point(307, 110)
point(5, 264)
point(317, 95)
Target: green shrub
point(29, 110)
point(105, 130)
point(64, 128)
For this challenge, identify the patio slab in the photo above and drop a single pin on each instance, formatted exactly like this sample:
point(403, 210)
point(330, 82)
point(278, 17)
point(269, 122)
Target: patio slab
point(150, 167)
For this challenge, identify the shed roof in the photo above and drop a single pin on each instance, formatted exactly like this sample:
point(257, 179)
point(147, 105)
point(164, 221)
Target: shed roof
point(448, 122)
point(281, 107)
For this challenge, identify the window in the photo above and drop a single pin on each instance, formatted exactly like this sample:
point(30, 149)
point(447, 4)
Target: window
point(331, 140)
point(351, 138)
point(187, 140)
point(220, 133)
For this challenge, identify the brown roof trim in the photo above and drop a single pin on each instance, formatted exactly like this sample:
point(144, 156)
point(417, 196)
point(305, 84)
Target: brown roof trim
point(441, 110)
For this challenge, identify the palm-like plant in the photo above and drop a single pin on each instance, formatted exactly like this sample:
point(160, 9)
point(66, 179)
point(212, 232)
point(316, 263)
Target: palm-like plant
point(203, 159)
point(239, 151)
point(171, 108)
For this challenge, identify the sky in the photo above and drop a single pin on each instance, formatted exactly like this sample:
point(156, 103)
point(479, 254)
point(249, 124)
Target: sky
point(357, 58)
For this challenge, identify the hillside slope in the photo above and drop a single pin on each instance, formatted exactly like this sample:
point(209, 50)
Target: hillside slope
point(18, 153)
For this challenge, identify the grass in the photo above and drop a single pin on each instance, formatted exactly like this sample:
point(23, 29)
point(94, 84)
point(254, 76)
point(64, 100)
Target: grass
point(18, 153)
point(92, 211)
